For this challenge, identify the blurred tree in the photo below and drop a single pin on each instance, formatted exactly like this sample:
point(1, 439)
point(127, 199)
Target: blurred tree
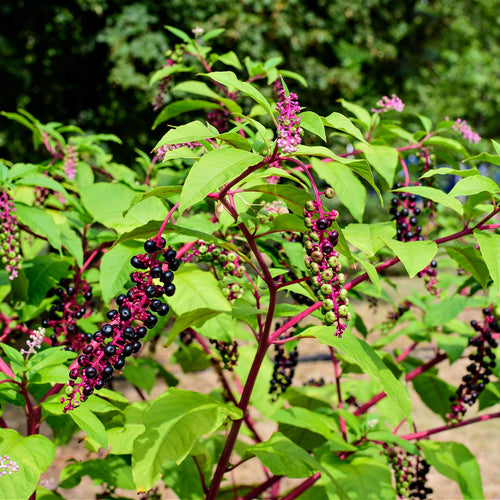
point(88, 61)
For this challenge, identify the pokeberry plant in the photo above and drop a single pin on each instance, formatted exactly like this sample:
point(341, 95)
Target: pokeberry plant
point(254, 230)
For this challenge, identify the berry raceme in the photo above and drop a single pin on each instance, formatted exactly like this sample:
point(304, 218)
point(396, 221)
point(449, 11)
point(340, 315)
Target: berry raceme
point(73, 299)
point(10, 248)
point(480, 368)
point(284, 370)
point(228, 352)
point(137, 311)
point(322, 261)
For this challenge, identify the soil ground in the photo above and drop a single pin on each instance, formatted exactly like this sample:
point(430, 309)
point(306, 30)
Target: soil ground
point(481, 439)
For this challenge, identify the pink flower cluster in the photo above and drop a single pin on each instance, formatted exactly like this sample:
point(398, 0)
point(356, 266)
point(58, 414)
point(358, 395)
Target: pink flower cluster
point(10, 250)
point(7, 466)
point(289, 131)
point(70, 162)
point(388, 104)
point(467, 133)
point(35, 342)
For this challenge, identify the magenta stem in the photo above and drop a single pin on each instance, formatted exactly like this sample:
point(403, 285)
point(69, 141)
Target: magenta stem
point(295, 493)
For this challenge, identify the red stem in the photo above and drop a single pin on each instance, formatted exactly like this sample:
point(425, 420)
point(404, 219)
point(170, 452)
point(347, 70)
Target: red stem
point(302, 487)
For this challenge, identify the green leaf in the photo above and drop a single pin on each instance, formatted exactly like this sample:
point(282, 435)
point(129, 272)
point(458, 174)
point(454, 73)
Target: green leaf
point(121, 439)
point(167, 71)
point(383, 159)
point(283, 457)
point(470, 260)
point(15, 357)
point(230, 80)
point(43, 273)
point(443, 311)
point(312, 122)
point(347, 186)
point(450, 171)
point(229, 59)
point(90, 424)
point(236, 140)
point(190, 280)
point(110, 470)
point(415, 255)
point(359, 477)
point(368, 237)
point(360, 113)
point(489, 245)
point(435, 393)
point(140, 373)
point(116, 268)
point(174, 422)
point(358, 352)
point(179, 107)
point(445, 143)
point(341, 122)
point(372, 273)
point(107, 202)
point(191, 132)
point(485, 157)
point(426, 122)
point(435, 195)
point(457, 463)
point(196, 317)
point(33, 455)
point(72, 241)
point(201, 88)
point(212, 171)
point(473, 185)
point(40, 222)
point(42, 181)
point(452, 345)
point(41, 361)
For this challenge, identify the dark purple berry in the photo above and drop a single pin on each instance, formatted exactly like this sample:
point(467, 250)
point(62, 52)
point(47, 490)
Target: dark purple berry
point(150, 291)
point(136, 262)
point(323, 224)
point(120, 299)
point(129, 333)
point(151, 321)
point(88, 349)
point(163, 310)
point(107, 372)
point(128, 350)
point(111, 314)
point(174, 265)
point(125, 314)
point(156, 271)
point(150, 246)
point(155, 305)
point(90, 372)
point(107, 330)
point(110, 350)
point(99, 385)
point(170, 290)
point(120, 363)
point(141, 332)
point(170, 255)
point(73, 373)
point(83, 360)
point(136, 346)
point(87, 390)
point(167, 277)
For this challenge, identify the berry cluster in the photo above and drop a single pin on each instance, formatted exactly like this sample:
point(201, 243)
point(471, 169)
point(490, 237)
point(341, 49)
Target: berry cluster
point(71, 304)
point(315, 382)
point(228, 352)
point(410, 472)
point(322, 260)
point(226, 262)
point(480, 368)
point(10, 248)
point(232, 291)
point(405, 212)
point(120, 337)
point(219, 118)
point(284, 369)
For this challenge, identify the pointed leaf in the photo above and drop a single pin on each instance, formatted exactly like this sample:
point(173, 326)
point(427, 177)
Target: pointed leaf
point(178, 107)
point(212, 171)
point(341, 122)
point(435, 195)
point(360, 353)
point(191, 132)
point(471, 261)
point(415, 255)
point(174, 422)
point(457, 463)
point(490, 250)
point(283, 457)
point(368, 237)
point(312, 122)
point(473, 185)
point(360, 113)
point(383, 159)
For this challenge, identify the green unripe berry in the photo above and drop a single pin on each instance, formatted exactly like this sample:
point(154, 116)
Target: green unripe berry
point(315, 281)
point(326, 288)
point(222, 258)
point(230, 267)
point(308, 222)
point(330, 318)
point(226, 292)
point(231, 256)
point(333, 262)
point(308, 245)
point(241, 270)
point(343, 311)
point(314, 268)
point(314, 236)
point(327, 304)
point(235, 288)
point(317, 256)
point(327, 275)
point(341, 278)
point(329, 192)
point(216, 252)
point(68, 390)
point(203, 249)
point(320, 294)
point(309, 205)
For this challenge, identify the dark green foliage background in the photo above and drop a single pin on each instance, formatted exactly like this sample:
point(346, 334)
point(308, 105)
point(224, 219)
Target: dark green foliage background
point(88, 61)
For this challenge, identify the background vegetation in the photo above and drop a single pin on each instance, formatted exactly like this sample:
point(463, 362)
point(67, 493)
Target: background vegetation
point(88, 61)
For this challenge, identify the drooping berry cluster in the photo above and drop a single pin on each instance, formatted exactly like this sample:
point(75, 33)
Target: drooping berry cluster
point(10, 248)
point(393, 316)
point(136, 312)
point(410, 473)
point(284, 370)
point(289, 131)
point(163, 150)
point(315, 382)
point(480, 368)
point(161, 89)
point(232, 291)
point(405, 210)
point(322, 260)
point(228, 352)
point(225, 262)
point(71, 304)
